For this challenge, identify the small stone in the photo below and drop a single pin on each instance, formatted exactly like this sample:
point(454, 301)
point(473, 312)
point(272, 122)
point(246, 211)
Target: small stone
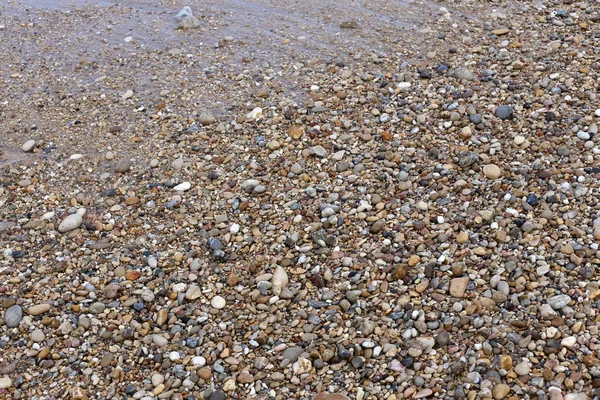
point(464, 73)
point(38, 336)
point(500, 31)
point(318, 151)
point(522, 369)
point(218, 302)
point(206, 118)
point(547, 312)
point(157, 379)
point(123, 165)
point(159, 340)
point(28, 146)
point(229, 385)
point(182, 187)
point(423, 393)
point(458, 286)
point(442, 339)
point(506, 363)
point(302, 366)
point(351, 24)
point(70, 223)
point(97, 308)
point(5, 382)
point(500, 391)
point(128, 94)
point(295, 132)
point(378, 226)
point(189, 22)
point(254, 114)
point(218, 395)
point(559, 301)
point(279, 280)
point(245, 377)
point(492, 171)
point(462, 237)
point(569, 341)
point(503, 112)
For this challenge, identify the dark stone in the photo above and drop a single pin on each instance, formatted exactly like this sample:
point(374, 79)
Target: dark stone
point(532, 200)
point(218, 395)
point(408, 362)
point(357, 362)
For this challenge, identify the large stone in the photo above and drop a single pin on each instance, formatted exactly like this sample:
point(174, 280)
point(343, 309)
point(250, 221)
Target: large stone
point(70, 223)
point(279, 281)
point(13, 316)
point(38, 309)
point(458, 286)
point(500, 391)
point(559, 301)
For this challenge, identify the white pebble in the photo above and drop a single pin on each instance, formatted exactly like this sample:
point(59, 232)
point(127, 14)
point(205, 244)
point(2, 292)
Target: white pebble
point(218, 302)
point(182, 187)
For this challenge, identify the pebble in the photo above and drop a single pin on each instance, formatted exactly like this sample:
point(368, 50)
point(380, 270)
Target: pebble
point(559, 301)
point(38, 335)
point(28, 146)
point(504, 112)
point(123, 165)
point(38, 309)
point(279, 280)
point(5, 382)
point(13, 316)
point(218, 302)
point(492, 171)
point(70, 223)
point(458, 286)
point(182, 187)
point(522, 369)
point(500, 391)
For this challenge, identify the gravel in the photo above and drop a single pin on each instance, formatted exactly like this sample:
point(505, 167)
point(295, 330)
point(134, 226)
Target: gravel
point(385, 200)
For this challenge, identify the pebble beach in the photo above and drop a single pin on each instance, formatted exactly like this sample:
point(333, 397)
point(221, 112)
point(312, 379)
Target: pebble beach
point(315, 201)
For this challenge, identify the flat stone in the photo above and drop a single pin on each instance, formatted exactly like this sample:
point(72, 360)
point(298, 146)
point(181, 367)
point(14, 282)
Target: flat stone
point(559, 301)
point(423, 393)
point(522, 369)
point(458, 286)
point(38, 309)
point(500, 31)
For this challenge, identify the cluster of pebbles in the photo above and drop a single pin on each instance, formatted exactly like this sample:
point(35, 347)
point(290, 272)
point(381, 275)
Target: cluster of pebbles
point(416, 224)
